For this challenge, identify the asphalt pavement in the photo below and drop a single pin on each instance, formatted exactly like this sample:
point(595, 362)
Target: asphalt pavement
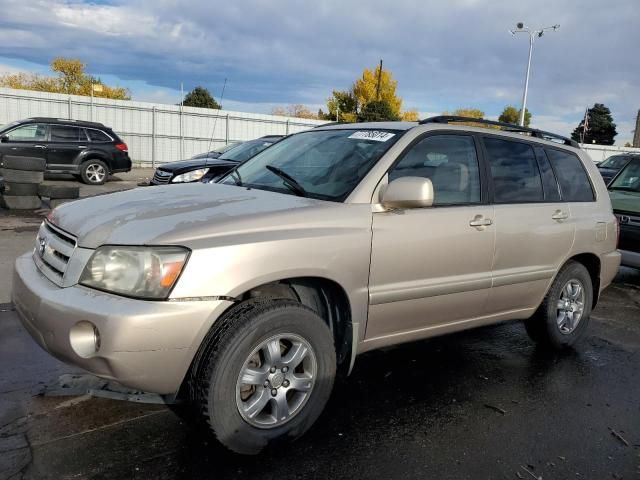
point(483, 404)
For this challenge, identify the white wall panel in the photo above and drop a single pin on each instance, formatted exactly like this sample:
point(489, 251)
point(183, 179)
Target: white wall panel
point(177, 135)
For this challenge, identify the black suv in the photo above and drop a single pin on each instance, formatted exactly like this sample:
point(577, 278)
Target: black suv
point(88, 150)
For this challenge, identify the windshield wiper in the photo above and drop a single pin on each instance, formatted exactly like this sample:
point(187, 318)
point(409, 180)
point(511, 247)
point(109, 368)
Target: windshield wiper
point(288, 180)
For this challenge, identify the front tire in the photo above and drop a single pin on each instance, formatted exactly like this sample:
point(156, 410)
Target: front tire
point(563, 317)
point(94, 172)
point(268, 375)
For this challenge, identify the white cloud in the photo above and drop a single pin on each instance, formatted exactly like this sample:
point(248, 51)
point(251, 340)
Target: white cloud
point(445, 55)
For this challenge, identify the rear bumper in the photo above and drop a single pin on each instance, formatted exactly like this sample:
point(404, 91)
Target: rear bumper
point(144, 345)
point(609, 265)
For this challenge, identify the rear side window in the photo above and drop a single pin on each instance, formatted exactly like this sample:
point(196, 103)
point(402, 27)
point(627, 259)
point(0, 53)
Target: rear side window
point(572, 178)
point(514, 170)
point(62, 133)
point(97, 136)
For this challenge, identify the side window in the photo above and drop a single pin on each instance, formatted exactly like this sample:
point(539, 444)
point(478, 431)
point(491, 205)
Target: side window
point(572, 178)
point(62, 133)
point(450, 161)
point(549, 182)
point(515, 173)
point(28, 133)
point(97, 136)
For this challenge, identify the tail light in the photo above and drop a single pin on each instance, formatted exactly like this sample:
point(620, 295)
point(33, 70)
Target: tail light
point(122, 147)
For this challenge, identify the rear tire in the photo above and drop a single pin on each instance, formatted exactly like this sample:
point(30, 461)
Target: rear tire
point(267, 374)
point(563, 317)
point(94, 172)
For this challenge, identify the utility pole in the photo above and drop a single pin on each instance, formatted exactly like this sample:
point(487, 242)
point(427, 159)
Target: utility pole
point(521, 28)
point(379, 78)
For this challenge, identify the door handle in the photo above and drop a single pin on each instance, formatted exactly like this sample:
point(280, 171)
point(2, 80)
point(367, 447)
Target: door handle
point(39, 146)
point(82, 146)
point(480, 221)
point(560, 215)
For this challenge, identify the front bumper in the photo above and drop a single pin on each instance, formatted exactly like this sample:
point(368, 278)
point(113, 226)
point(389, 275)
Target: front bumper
point(147, 345)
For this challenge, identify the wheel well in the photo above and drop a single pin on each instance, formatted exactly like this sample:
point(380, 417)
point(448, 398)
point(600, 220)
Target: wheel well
point(94, 156)
point(592, 263)
point(326, 297)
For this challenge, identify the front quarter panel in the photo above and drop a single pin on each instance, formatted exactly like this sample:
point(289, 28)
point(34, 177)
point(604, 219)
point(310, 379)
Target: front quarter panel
point(333, 245)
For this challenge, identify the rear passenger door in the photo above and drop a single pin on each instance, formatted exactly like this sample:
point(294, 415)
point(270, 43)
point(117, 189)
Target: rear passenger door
point(66, 142)
point(576, 188)
point(534, 229)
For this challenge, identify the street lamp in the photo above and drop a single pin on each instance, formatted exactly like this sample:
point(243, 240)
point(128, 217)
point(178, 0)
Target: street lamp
point(522, 28)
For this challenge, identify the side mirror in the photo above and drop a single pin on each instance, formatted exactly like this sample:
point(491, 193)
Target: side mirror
point(4, 138)
point(408, 192)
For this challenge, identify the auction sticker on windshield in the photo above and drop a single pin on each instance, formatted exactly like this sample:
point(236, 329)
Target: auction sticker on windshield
point(375, 135)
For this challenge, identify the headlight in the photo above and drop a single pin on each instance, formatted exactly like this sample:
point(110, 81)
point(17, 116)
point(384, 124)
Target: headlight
point(142, 272)
point(191, 176)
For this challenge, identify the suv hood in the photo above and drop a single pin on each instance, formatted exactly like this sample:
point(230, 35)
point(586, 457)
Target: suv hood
point(624, 201)
point(185, 214)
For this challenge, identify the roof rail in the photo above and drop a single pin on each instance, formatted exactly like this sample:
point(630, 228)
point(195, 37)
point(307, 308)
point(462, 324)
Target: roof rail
point(67, 120)
point(508, 127)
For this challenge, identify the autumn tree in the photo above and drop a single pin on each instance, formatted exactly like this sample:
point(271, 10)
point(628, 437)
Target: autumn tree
point(70, 78)
point(600, 127)
point(466, 112)
point(201, 98)
point(377, 111)
point(375, 85)
point(342, 106)
point(511, 115)
point(296, 110)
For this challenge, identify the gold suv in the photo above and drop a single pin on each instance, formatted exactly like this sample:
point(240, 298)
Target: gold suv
point(246, 296)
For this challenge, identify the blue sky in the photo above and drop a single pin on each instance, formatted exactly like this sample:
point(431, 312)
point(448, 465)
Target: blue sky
point(444, 54)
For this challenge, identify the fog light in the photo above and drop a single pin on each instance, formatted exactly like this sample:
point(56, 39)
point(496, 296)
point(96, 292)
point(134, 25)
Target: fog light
point(84, 338)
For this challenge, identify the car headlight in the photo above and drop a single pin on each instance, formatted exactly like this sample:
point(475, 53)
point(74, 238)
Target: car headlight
point(141, 272)
point(191, 176)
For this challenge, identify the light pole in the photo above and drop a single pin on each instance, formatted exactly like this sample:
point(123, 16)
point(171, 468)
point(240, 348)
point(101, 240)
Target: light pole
point(522, 28)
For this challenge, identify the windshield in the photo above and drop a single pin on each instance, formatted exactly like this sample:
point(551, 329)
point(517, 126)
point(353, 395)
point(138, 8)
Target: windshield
point(324, 164)
point(8, 125)
point(245, 150)
point(616, 162)
point(628, 179)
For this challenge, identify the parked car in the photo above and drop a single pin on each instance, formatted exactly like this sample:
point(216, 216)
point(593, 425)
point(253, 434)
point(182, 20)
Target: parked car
point(611, 166)
point(202, 169)
point(624, 191)
point(88, 150)
point(216, 153)
point(246, 296)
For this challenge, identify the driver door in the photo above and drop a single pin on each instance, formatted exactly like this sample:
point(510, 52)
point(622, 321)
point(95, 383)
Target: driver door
point(431, 267)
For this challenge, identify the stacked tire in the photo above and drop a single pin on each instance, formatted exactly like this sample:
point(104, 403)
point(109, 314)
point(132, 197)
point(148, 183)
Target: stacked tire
point(57, 194)
point(22, 178)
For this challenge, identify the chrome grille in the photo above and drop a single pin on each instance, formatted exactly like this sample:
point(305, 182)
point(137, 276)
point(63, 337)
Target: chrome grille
point(53, 251)
point(160, 176)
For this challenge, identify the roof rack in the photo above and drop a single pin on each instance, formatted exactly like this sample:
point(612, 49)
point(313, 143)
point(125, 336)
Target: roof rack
point(67, 120)
point(508, 127)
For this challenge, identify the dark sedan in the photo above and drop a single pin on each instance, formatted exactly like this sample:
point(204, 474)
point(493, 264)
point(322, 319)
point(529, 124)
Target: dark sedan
point(612, 165)
point(202, 169)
